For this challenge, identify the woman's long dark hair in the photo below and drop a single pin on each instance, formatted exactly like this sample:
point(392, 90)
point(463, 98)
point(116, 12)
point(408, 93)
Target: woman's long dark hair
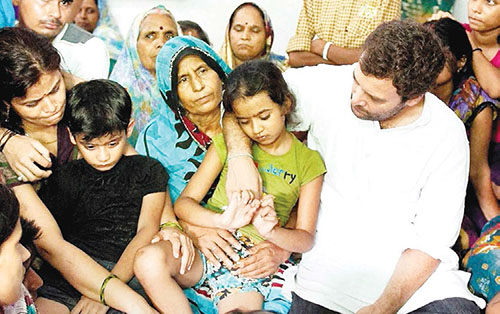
point(24, 57)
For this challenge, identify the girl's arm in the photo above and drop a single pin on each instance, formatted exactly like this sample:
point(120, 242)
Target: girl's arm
point(147, 227)
point(239, 211)
point(480, 174)
point(487, 74)
point(71, 261)
point(300, 239)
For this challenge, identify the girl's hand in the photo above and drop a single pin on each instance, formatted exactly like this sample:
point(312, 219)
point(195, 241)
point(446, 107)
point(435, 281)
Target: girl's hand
point(239, 212)
point(266, 219)
point(181, 246)
point(441, 15)
point(22, 152)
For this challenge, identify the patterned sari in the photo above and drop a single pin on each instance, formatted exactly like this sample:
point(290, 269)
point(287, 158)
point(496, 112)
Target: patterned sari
point(467, 102)
point(108, 31)
point(227, 54)
point(180, 146)
point(140, 84)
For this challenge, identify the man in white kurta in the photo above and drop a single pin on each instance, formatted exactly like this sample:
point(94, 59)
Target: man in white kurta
point(392, 201)
point(393, 188)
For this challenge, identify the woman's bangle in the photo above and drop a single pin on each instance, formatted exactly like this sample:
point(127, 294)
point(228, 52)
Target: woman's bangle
point(174, 224)
point(238, 156)
point(103, 287)
point(325, 50)
point(477, 49)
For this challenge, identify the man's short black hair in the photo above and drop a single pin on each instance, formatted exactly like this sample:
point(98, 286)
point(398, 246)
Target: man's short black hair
point(97, 108)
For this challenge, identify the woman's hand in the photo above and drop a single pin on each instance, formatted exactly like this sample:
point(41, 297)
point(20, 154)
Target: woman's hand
point(243, 175)
point(239, 212)
point(266, 219)
point(215, 244)
point(22, 152)
point(181, 246)
point(263, 261)
point(86, 305)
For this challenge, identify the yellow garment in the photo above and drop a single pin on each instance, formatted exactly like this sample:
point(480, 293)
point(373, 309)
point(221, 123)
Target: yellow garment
point(345, 23)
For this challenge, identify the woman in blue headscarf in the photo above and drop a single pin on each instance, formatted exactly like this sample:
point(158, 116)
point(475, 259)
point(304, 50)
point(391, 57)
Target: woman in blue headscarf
point(191, 78)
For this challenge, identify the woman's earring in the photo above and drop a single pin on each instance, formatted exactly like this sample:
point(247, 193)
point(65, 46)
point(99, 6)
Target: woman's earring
point(7, 114)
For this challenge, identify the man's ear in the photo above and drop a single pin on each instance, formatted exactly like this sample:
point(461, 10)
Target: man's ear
point(414, 101)
point(130, 127)
point(71, 137)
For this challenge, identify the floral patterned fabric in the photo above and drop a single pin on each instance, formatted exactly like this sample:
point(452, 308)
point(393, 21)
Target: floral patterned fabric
point(140, 84)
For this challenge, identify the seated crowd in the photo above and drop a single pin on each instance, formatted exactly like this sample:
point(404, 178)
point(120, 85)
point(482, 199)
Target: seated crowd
point(153, 174)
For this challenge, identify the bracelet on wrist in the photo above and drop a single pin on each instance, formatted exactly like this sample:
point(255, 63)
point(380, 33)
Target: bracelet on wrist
point(103, 287)
point(174, 224)
point(325, 50)
point(238, 156)
point(477, 49)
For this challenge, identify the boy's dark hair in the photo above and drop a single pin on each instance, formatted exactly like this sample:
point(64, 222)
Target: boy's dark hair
point(253, 77)
point(24, 57)
point(187, 24)
point(31, 232)
point(405, 52)
point(9, 213)
point(97, 108)
point(455, 42)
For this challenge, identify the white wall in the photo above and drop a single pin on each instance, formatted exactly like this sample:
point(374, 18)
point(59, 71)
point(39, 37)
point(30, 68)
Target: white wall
point(213, 16)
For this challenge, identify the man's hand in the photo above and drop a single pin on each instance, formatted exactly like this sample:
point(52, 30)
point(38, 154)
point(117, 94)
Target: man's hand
point(441, 15)
point(242, 174)
point(263, 261)
point(215, 244)
point(22, 152)
point(88, 306)
point(181, 246)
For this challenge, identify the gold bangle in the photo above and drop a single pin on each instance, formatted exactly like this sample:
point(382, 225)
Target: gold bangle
point(103, 287)
point(174, 224)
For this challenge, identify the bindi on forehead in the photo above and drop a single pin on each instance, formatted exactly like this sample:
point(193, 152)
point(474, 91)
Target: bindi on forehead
point(161, 28)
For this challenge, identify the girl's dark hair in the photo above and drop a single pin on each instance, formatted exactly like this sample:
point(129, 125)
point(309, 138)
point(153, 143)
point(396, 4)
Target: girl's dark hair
point(172, 98)
point(253, 77)
point(24, 57)
point(97, 108)
point(186, 25)
point(9, 213)
point(454, 39)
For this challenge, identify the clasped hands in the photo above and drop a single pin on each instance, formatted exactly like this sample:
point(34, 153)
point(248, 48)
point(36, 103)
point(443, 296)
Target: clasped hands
point(244, 208)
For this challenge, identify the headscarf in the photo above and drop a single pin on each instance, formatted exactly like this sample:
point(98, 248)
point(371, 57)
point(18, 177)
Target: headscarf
point(172, 138)
point(108, 30)
point(7, 15)
point(227, 54)
point(140, 84)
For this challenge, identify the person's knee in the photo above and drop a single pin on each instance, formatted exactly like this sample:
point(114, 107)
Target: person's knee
point(152, 259)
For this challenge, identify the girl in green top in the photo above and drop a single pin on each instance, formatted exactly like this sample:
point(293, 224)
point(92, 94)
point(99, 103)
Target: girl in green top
point(260, 99)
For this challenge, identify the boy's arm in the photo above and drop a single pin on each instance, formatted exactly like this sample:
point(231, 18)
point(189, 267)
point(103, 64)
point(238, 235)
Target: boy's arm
point(241, 174)
point(147, 227)
point(71, 261)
